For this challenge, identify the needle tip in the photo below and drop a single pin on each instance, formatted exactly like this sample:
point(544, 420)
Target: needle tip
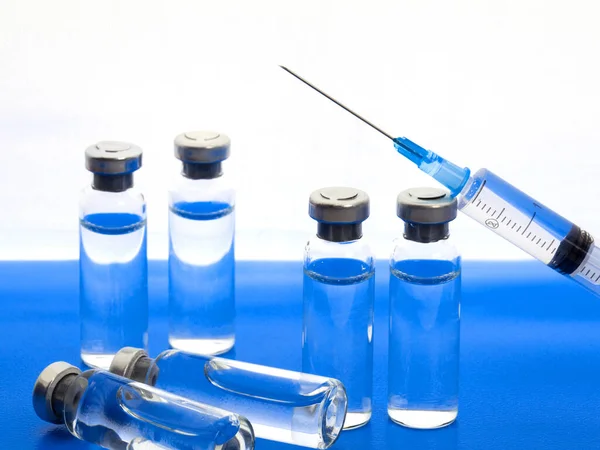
point(337, 103)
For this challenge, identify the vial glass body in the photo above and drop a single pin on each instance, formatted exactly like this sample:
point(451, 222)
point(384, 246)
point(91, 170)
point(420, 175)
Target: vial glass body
point(201, 266)
point(117, 413)
point(113, 274)
point(337, 337)
point(282, 405)
point(424, 333)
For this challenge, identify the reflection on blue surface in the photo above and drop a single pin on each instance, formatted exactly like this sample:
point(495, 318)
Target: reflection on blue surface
point(440, 439)
point(56, 437)
point(530, 346)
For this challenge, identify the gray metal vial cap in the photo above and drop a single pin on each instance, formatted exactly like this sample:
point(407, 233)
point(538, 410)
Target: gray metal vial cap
point(202, 147)
point(44, 389)
point(113, 158)
point(339, 205)
point(124, 361)
point(425, 205)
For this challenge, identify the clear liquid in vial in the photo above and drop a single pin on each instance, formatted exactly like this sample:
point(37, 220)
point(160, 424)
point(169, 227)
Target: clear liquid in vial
point(424, 343)
point(338, 329)
point(201, 277)
point(113, 285)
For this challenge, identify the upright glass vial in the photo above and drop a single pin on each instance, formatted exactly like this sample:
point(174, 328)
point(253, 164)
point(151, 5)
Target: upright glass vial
point(284, 406)
point(201, 255)
point(424, 313)
point(117, 413)
point(113, 270)
point(337, 337)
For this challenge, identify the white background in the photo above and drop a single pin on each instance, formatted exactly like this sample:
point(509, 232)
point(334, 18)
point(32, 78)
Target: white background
point(509, 85)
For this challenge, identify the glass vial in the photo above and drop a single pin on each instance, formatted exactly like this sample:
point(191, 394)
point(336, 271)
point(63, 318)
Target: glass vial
point(337, 337)
point(201, 247)
point(283, 406)
point(113, 269)
point(117, 413)
point(424, 313)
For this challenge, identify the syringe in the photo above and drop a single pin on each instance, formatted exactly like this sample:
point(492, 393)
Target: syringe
point(507, 211)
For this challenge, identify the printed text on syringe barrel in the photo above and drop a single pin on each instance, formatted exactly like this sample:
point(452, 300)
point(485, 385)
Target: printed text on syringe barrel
point(526, 223)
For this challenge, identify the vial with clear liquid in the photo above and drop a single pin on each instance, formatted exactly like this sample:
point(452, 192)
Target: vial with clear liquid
point(337, 337)
point(112, 262)
point(284, 406)
point(116, 413)
point(201, 254)
point(424, 334)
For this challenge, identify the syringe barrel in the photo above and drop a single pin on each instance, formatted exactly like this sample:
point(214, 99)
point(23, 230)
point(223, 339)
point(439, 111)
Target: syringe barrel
point(588, 274)
point(531, 226)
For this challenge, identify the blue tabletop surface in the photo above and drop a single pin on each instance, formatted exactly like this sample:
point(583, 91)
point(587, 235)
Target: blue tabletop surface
point(530, 353)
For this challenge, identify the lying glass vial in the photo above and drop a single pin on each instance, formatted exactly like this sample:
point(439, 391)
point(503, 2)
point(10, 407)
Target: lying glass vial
point(116, 413)
point(284, 406)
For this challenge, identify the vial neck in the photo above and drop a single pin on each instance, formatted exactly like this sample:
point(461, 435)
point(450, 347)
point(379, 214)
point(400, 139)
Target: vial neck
point(339, 232)
point(112, 183)
point(426, 233)
point(195, 171)
point(59, 396)
point(144, 371)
